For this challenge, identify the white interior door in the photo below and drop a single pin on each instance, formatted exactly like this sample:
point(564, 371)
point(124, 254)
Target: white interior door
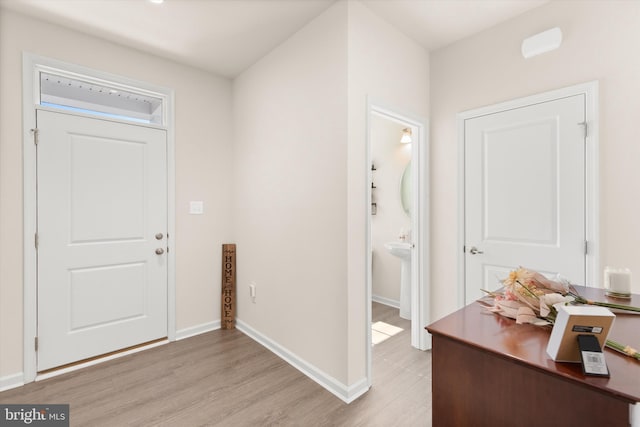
point(102, 215)
point(525, 193)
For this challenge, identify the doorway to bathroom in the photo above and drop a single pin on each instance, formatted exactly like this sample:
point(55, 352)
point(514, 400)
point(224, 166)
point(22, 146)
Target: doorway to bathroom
point(397, 224)
point(391, 144)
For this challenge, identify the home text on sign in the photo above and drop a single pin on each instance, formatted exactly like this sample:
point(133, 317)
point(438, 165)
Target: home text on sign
point(228, 300)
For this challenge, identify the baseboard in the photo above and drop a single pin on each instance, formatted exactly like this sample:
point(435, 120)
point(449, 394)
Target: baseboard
point(345, 393)
point(386, 301)
point(197, 330)
point(11, 381)
point(358, 389)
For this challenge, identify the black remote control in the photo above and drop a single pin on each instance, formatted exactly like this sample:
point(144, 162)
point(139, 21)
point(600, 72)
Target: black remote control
point(593, 362)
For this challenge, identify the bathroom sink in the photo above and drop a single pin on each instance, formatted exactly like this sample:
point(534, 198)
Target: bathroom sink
point(402, 250)
point(399, 249)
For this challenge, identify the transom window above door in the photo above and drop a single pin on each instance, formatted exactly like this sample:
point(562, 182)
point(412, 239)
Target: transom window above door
point(88, 96)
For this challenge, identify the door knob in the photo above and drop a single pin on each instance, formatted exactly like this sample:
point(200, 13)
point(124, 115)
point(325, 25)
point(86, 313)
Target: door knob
point(475, 251)
point(159, 236)
point(159, 251)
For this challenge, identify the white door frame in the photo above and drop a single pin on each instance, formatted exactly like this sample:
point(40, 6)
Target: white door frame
point(31, 64)
point(420, 286)
point(592, 189)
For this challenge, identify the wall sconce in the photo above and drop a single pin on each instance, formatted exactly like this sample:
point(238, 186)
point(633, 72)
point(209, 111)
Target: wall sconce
point(543, 42)
point(406, 136)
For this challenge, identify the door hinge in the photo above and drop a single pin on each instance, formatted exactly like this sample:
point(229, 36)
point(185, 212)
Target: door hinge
point(586, 247)
point(35, 343)
point(35, 240)
point(35, 135)
point(585, 126)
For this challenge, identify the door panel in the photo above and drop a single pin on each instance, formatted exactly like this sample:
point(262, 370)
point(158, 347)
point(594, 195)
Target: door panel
point(105, 295)
point(531, 152)
point(525, 193)
point(94, 217)
point(102, 198)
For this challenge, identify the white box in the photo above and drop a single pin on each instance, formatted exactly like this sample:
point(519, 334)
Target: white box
point(574, 320)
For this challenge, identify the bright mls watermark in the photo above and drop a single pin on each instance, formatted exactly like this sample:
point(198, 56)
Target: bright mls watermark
point(34, 415)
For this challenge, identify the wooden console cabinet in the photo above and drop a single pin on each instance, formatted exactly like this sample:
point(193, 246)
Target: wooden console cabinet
point(490, 371)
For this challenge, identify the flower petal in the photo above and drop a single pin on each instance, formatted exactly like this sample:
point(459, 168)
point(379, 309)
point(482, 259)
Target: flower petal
point(526, 315)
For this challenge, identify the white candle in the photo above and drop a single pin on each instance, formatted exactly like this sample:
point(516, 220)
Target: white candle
point(618, 280)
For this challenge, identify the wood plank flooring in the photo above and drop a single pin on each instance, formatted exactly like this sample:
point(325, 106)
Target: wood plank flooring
point(224, 378)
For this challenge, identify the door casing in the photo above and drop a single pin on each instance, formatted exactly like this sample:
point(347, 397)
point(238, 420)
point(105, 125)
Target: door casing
point(31, 65)
point(420, 284)
point(592, 195)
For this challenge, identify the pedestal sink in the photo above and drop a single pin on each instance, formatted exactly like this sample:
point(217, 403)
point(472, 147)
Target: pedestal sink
point(403, 251)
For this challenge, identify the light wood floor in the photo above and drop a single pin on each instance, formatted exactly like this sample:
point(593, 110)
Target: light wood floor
point(224, 378)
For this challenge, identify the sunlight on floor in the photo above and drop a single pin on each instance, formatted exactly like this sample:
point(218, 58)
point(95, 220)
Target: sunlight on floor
point(380, 331)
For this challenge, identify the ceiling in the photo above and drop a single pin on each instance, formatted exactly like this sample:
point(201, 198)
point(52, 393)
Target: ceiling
point(227, 36)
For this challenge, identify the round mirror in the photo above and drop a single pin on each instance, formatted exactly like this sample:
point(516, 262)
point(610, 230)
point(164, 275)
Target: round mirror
point(405, 190)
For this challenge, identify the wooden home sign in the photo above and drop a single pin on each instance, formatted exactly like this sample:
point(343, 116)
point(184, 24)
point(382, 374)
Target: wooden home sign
point(228, 300)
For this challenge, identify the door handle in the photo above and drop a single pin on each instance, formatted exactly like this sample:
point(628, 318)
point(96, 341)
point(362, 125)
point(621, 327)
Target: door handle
point(159, 251)
point(475, 251)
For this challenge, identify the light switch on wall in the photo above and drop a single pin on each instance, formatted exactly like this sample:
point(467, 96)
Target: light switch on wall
point(196, 207)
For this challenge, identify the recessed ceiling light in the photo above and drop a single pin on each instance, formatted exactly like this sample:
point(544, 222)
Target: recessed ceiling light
point(157, 1)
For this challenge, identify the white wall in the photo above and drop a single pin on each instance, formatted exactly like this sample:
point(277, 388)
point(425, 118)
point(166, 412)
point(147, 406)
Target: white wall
point(600, 43)
point(290, 119)
point(203, 167)
point(301, 177)
point(386, 66)
point(390, 158)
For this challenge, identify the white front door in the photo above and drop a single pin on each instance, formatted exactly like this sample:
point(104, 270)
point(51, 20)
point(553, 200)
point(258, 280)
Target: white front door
point(102, 215)
point(525, 193)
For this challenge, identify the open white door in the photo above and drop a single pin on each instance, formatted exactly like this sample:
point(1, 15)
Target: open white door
point(102, 236)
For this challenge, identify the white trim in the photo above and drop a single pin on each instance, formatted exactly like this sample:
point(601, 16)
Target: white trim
point(99, 78)
point(171, 215)
point(29, 214)
point(97, 117)
point(386, 301)
point(592, 178)
point(197, 330)
point(30, 93)
point(346, 393)
point(420, 282)
point(11, 381)
point(592, 184)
